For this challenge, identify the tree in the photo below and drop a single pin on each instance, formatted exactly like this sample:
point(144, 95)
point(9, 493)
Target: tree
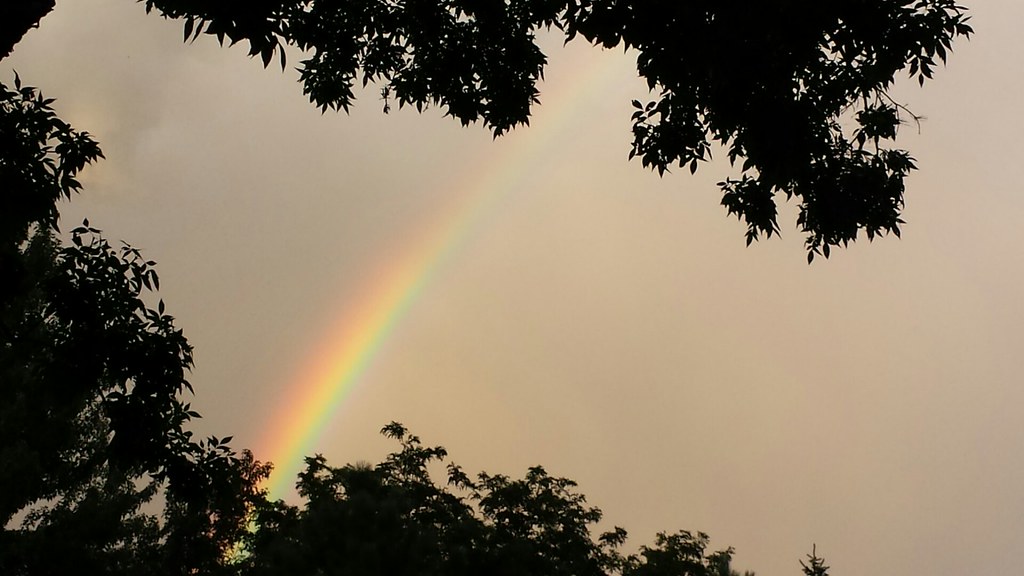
point(778, 92)
point(17, 18)
point(795, 92)
point(93, 424)
point(679, 553)
point(392, 518)
point(815, 565)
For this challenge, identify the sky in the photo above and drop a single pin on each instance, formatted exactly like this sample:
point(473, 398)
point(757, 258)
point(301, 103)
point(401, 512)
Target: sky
point(556, 304)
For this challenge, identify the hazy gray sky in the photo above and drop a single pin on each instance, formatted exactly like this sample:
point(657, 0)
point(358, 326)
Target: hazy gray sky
point(593, 318)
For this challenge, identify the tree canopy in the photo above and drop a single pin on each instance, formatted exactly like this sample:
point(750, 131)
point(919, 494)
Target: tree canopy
point(94, 423)
point(794, 92)
point(393, 518)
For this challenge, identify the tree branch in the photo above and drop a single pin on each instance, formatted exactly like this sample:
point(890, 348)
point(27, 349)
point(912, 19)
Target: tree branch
point(17, 18)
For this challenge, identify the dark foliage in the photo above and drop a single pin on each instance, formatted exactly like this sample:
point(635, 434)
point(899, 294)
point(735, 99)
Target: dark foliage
point(815, 566)
point(393, 519)
point(794, 91)
point(18, 17)
point(93, 424)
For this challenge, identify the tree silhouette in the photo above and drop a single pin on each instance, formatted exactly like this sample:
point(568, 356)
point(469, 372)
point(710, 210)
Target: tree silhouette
point(93, 423)
point(17, 17)
point(794, 92)
point(393, 518)
point(815, 566)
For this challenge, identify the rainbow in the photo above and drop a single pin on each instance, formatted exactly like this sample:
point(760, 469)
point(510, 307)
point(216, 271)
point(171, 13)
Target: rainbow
point(336, 366)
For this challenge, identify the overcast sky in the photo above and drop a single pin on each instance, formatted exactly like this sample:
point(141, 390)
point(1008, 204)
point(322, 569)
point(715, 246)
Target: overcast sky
point(592, 317)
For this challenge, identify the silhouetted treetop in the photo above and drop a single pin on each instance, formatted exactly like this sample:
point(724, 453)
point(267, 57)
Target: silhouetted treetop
point(94, 423)
point(393, 518)
point(815, 565)
point(795, 91)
